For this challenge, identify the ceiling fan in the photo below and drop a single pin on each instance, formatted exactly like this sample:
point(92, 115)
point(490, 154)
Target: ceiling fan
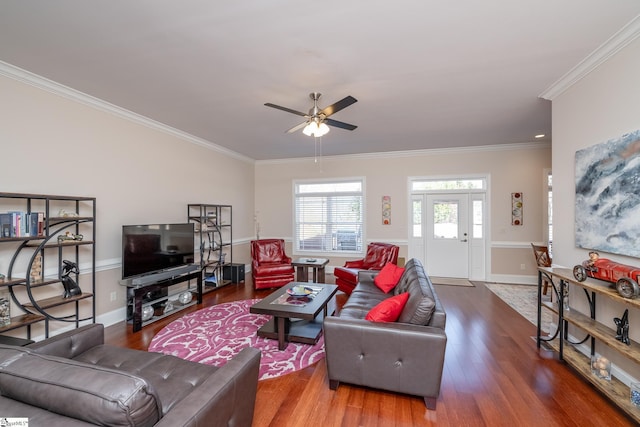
point(317, 120)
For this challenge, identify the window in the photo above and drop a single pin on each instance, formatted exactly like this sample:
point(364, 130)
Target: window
point(478, 215)
point(448, 184)
point(329, 216)
point(445, 219)
point(417, 218)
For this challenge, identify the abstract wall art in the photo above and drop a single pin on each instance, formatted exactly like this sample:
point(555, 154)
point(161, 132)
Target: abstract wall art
point(608, 196)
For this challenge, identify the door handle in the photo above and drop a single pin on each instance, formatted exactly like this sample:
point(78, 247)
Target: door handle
point(464, 240)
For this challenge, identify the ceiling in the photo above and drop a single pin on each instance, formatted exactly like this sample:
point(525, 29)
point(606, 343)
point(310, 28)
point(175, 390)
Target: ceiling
point(427, 74)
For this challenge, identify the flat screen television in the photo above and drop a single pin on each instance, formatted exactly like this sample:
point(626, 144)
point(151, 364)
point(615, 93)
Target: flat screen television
point(154, 248)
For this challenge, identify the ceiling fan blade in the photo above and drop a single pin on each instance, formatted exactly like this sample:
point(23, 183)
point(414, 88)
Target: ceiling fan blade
point(338, 124)
point(343, 103)
point(297, 127)
point(288, 110)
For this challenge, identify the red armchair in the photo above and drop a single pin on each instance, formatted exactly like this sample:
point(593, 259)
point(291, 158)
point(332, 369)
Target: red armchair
point(378, 254)
point(270, 266)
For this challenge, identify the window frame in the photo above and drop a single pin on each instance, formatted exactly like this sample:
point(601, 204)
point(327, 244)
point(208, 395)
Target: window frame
point(331, 228)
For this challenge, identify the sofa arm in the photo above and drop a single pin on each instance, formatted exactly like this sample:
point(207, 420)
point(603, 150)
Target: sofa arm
point(227, 398)
point(367, 276)
point(391, 356)
point(72, 343)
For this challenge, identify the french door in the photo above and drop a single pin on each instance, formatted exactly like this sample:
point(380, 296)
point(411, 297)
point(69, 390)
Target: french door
point(447, 233)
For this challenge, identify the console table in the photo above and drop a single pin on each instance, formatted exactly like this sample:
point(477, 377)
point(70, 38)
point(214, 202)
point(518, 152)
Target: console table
point(139, 293)
point(595, 330)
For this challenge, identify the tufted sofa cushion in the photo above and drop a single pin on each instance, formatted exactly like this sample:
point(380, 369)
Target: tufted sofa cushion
point(172, 378)
point(421, 304)
point(359, 303)
point(94, 394)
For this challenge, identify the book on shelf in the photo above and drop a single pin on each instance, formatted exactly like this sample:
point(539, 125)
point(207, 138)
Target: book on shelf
point(6, 224)
point(211, 280)
point(21, 224)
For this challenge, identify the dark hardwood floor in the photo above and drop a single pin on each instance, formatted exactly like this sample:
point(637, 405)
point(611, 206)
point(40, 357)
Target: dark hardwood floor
point(493, 376)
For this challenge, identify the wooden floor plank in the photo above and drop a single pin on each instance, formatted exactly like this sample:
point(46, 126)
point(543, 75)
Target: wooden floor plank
point(493, 376)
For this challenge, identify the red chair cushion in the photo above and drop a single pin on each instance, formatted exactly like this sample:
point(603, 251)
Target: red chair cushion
point(270, 251)
point(378, 254)
point(388, 310)
point(271, 269)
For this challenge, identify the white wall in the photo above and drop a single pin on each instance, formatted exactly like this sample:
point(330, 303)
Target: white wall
point(512, 168)
point(603, 105)
point(139, 172)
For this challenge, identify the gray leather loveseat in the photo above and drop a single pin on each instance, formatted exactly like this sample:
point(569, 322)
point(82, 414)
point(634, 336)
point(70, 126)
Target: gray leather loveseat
point(406, 356)
point(73, 379)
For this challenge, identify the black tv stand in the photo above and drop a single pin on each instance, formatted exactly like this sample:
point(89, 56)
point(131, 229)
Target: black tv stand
point(138, 293)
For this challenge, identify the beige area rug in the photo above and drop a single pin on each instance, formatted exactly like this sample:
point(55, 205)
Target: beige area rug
point(450, 281)
point(524, 300)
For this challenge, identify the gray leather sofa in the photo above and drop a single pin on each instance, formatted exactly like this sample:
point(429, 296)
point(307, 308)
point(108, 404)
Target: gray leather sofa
point(74, 379)
point(406, 356)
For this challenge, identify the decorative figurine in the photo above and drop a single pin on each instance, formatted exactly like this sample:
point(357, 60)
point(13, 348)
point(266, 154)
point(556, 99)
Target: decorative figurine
point(622, 331)
point(64, 214)
point(623, 277)
point(5, 307)
point(71, 288)
point(36, 268)
point(69, 236)
point(147, 312)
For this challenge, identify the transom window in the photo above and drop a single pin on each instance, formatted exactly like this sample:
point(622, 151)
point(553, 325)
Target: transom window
point(329, 216)
point(448, 184)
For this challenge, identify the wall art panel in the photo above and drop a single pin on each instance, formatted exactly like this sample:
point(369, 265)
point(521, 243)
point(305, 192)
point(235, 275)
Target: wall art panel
point(608, 196)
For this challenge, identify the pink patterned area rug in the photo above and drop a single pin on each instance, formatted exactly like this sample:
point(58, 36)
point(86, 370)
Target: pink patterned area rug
point(215, 334)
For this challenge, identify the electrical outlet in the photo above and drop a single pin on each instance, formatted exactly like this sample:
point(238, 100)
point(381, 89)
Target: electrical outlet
point(114, 295)
point(523, 266)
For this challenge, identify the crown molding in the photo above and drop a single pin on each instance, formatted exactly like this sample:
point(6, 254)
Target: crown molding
point(537, 145)
point(27, 77)
point(615, 43)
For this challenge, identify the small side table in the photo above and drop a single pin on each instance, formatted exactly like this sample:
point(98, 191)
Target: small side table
point(302, 266)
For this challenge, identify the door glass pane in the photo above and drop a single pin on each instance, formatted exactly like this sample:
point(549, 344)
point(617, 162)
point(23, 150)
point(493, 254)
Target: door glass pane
point(417, 218)
point(445, 219)
point(477, 219)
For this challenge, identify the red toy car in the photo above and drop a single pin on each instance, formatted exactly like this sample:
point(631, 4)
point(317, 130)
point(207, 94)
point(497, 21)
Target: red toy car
point(625, 277)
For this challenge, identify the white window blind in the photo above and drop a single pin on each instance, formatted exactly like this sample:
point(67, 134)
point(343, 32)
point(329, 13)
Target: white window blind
point(329, 216)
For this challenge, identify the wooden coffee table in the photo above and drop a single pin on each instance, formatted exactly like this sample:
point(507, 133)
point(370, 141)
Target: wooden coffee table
point(306, 310)
point(302, 266)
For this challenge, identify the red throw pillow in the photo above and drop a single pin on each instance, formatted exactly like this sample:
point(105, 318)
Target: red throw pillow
point(388, 310)
point(388, 277)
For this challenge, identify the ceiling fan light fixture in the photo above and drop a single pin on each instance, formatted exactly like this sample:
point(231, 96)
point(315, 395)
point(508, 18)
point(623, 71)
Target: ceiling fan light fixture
point(323, 129)
point(313, 129)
